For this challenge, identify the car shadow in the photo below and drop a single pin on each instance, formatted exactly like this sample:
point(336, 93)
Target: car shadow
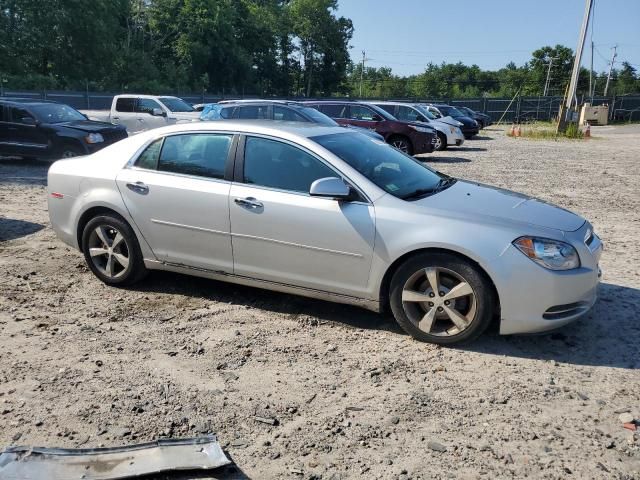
point(606, 337)
point(481, 137)
point(276, 302)
point(23, 172)
point(447, 160)
point(10, 228)
point(467, 149)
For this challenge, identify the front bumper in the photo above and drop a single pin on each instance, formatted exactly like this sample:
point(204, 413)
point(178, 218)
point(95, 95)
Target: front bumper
point(456, 138)
point(469, 131)
point(534, 299)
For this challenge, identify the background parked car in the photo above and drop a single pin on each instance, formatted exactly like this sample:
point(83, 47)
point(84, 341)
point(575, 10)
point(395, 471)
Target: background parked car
point(144, 112)
point(272, 110)
point(483, 119)
point(447, 129)
point(410, 137)
point(50, 130)
point(469, 126)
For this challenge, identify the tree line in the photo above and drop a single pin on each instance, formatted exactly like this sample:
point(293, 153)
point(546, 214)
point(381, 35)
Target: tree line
point(240, 47)
point(281, 47)
point(456, 80)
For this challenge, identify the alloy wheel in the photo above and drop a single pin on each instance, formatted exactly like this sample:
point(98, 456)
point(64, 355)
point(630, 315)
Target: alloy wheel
point(109, 251)
point(439, 301)
point(438, 144)
point(401, 145)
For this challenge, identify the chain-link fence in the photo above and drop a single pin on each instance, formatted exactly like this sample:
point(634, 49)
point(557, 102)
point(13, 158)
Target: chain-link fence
point(518, 109)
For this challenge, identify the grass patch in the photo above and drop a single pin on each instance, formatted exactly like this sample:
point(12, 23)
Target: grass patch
point(546, 131)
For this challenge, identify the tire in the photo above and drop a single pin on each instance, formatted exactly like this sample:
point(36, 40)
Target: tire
point(401, 143)
point(99, 234)
point(429, 316)
point(441, 141)
point(70, 151)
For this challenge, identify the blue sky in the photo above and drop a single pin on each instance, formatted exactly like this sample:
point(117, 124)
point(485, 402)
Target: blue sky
point(406, 34)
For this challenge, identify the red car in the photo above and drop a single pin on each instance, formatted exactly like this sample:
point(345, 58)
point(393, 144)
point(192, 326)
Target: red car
point(412, 138)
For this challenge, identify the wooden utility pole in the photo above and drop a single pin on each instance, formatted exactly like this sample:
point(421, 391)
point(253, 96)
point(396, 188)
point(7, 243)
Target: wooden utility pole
point(613, 59)
point(362, 73)
point(573, 85)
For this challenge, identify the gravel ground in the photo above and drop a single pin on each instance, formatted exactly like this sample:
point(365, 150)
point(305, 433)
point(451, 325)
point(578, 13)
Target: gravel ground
point(349, 394)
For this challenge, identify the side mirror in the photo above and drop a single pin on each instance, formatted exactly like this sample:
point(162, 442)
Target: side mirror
point(331, 187)
point(28, 121)
point(157, 112)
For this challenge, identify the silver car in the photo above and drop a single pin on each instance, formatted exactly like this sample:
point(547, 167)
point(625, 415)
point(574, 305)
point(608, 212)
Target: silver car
point(328, 213)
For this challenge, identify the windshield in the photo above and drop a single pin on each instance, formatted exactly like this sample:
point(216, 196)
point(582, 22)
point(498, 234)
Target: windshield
point(451, 112)
point(176, 104)
point(425, 112)
point(56, 113)
point(387, 167)
point(319, 117)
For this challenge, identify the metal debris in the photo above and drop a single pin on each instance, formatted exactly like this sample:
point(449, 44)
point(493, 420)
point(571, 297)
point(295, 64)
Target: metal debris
point(165, 455)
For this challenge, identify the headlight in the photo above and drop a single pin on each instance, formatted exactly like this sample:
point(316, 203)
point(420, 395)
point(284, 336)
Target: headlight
point(421, 129)
point(94, 138)
point(453, 129)
point(551, 254)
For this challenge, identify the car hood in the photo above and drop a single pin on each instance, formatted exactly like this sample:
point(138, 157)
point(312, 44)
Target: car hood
point(89, 125)
point(478, 200)
point(466, 120)
point(450, 121)
point(421, 125)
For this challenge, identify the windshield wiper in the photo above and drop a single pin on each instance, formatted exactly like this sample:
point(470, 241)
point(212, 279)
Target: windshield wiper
point(444, 183)
point(419, 193)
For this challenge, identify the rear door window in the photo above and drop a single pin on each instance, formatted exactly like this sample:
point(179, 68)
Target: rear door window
point(334, 110)
point(126, 104)
point(361, 112)
point(201, 154)
point(389, 109)
point(251, 112)
point(149, 158)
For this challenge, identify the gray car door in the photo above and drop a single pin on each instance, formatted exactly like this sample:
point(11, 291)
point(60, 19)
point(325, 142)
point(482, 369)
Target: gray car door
point(178, 197)
point(282, 234)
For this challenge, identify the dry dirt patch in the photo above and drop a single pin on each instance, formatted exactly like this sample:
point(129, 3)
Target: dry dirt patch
point(349, 395)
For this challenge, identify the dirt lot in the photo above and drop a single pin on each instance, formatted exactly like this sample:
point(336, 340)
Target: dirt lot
point(352, 396)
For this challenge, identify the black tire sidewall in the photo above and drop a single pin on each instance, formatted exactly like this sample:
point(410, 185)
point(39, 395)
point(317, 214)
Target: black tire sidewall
point(471, 273)
point(406, 142)
point(136, 268)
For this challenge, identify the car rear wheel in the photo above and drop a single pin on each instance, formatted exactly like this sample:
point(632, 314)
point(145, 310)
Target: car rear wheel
point(401, 143)
point(441, 298)
point(111, 250)
point(441, 141)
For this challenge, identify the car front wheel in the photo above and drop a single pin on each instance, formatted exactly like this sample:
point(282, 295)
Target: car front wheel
point(441, 298)
point(441, 141)
point(111, 250)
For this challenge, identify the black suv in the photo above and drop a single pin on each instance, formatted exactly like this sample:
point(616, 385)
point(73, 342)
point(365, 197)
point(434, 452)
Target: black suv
point(50, 130)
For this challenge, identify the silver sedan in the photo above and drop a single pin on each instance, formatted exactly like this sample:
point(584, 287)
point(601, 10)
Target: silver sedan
point(327, 213)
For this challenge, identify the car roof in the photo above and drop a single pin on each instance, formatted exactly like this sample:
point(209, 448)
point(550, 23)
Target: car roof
point(389, 102)
point(27, 101)
point(261, 101)
point(265, 127)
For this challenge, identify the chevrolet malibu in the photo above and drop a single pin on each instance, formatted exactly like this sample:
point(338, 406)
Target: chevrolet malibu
point(324, 212)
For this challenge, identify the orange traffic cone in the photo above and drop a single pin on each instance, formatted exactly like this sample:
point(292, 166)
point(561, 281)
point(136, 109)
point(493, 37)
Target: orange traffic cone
point(518, 131)
point(512, 132)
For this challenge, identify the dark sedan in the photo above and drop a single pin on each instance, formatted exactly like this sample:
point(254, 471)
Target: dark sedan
point(483, 119)
point(469, 126)
point(49, 130)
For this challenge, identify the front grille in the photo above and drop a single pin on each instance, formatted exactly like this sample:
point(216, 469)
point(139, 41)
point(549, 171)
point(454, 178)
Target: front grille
point(559, 312)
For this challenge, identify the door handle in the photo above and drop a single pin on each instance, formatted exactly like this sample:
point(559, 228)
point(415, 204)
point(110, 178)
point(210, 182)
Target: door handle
point(249, 202)
point(138, 187)
point(115, 118)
